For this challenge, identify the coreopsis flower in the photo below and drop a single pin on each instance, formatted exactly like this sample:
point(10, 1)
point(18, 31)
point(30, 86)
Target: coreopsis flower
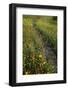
point(26, 73)
point(44, 62)
point(40, 56)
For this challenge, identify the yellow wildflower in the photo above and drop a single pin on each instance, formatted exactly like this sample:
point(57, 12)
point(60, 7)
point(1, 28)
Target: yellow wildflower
point(40, 56)
point(44, 62)
point(26, 73)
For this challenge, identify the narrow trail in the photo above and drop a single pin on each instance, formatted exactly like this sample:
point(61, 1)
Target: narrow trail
point(50, 56)
point(49, 53)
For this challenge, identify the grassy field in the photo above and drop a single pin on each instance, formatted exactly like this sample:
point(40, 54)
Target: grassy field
point(39, 34)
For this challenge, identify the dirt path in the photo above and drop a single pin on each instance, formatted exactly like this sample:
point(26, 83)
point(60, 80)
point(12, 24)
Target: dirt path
point(50, 56)
point(49, 53)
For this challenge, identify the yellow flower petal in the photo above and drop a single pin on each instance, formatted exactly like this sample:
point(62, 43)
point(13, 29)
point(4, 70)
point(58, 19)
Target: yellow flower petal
point(40, 56)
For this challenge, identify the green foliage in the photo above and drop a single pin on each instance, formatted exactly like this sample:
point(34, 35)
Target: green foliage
point(48, 30)
point(34, 59)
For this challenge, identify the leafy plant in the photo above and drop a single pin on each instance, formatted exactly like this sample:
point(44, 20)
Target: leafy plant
point(36, 31)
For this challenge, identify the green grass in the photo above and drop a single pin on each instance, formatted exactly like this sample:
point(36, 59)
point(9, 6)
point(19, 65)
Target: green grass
point(48, 28)
point(34, 58)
